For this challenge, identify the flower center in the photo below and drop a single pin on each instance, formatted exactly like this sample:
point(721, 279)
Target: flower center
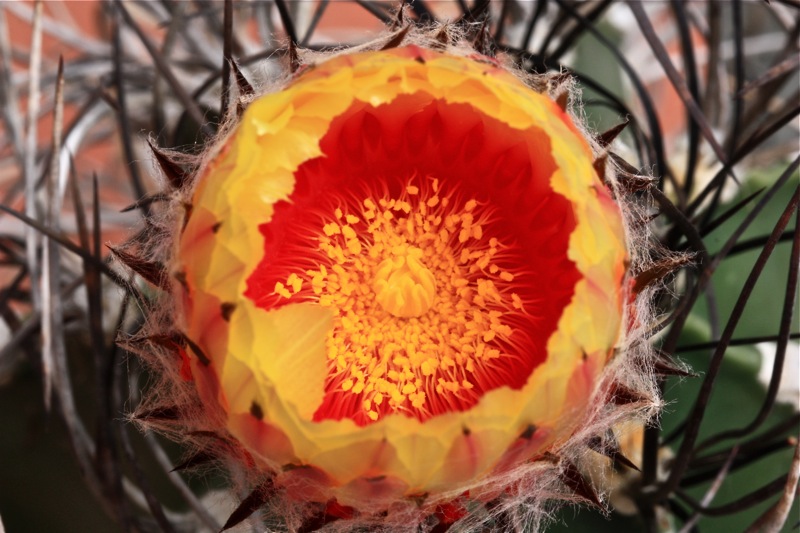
point(421, 304)
point(403, 285)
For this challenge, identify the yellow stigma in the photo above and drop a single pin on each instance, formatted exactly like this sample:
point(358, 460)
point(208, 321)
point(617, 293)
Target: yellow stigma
point(419, 302)
point(403, 285)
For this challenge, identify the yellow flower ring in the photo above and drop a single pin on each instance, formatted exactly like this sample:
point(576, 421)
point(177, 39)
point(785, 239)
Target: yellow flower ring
point(404, 276)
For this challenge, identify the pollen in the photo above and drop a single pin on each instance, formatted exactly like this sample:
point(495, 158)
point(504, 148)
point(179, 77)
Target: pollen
point(281, 290)
point(421, 308)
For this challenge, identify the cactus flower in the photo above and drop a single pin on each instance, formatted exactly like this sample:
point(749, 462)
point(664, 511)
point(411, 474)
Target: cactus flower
point(402, 276)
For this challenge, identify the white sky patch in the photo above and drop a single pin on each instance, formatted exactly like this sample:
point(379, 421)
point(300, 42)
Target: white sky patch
point(789, 390)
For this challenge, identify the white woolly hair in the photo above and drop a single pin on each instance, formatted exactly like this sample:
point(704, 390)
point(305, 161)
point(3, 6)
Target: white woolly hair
point(532, 490)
